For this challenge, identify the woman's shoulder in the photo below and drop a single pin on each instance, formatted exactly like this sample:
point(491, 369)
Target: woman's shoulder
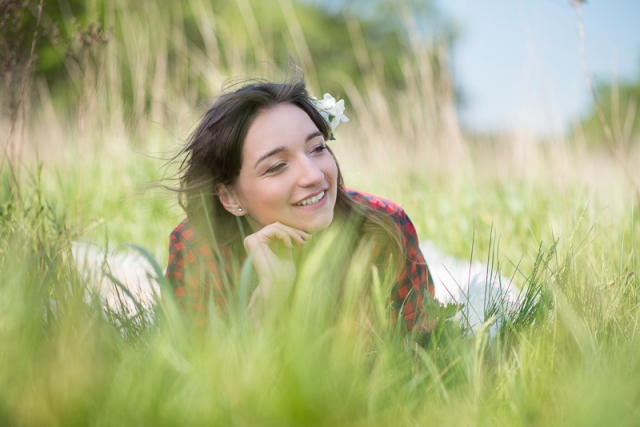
point(186, 237)
point(380, 204)
point(184, 233)
point(375, 202)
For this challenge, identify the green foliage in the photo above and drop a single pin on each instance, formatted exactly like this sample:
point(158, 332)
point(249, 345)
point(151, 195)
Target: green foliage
point(621, 107)
point(59, 31)
point(227, 38)
point(322, 360)
point(568, 355)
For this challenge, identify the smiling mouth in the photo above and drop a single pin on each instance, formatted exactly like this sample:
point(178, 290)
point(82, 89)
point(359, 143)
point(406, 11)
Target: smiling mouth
point(311, 200)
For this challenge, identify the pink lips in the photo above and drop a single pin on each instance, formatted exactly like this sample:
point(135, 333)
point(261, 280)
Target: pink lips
point(312, 195)
point(320, 202)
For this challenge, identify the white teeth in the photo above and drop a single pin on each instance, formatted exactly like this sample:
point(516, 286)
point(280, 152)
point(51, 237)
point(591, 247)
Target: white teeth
point(311, 200)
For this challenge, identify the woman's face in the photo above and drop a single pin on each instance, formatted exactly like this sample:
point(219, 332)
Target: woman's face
point(287, 173)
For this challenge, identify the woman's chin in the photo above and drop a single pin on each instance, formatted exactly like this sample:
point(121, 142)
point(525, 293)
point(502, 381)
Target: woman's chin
point(317, 224)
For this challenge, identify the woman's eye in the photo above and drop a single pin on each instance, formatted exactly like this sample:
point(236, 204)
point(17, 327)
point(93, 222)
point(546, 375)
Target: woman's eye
point(319, 148)
point(276, 168)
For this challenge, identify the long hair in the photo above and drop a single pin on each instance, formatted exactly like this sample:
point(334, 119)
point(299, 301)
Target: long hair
point(213, 156)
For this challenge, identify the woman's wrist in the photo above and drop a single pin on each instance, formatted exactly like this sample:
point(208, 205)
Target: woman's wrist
point(268, 293)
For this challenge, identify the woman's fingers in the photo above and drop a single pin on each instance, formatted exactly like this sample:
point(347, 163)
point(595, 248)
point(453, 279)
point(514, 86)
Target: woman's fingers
point(273, 256)
point(284, 237)
point(299, 236)
point(268, 234)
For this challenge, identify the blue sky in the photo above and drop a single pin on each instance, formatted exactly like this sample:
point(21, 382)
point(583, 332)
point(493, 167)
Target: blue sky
point(518, 63)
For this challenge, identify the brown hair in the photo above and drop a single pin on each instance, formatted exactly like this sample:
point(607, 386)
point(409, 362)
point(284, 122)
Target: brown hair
point(213, 156)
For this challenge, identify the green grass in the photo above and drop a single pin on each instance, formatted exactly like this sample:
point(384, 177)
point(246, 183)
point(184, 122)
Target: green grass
point(571, 356)
point(573, 363)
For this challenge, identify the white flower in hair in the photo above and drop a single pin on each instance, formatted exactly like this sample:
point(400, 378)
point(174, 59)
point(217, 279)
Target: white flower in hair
point(331, 111)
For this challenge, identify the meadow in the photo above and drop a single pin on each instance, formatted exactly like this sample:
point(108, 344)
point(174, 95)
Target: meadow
point(90, 165)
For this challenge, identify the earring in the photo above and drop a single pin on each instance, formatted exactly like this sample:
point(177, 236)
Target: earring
point(233, 210)
point(239, 209)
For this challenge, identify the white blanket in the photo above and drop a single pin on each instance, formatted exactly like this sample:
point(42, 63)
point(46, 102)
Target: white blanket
point(456, 280)
point(473, 284)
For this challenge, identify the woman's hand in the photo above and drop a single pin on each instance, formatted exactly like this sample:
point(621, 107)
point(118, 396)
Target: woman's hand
point(272, 249)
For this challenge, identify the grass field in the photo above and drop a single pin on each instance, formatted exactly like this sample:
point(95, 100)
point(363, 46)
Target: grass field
point(558, 219)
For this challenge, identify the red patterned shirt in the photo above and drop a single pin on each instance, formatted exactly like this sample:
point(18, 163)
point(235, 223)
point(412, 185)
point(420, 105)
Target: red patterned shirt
point(190, 252)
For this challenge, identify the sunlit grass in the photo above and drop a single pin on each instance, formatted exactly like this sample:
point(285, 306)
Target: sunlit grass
point(569, 357)
point(573, 364)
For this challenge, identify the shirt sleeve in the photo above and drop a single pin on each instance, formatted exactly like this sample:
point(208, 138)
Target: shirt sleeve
point(175, 267)
point(408, 292)
point(193, 272)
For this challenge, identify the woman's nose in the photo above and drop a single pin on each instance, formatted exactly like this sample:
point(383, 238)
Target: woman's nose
point(310, 174)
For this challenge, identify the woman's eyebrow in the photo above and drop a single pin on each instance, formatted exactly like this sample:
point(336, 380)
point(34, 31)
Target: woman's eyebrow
point(313, 135)
point(283, 148)
point(271, 153)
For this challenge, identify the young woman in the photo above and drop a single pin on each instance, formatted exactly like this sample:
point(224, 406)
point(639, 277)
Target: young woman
point(259, 178)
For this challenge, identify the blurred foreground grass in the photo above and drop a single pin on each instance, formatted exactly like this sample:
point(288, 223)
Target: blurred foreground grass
point(576, 363)
point(537, 208)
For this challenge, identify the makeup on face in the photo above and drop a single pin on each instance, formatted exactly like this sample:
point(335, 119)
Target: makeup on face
point(287, 174)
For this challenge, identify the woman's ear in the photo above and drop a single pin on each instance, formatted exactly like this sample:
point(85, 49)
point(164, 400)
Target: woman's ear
point(229, 200)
